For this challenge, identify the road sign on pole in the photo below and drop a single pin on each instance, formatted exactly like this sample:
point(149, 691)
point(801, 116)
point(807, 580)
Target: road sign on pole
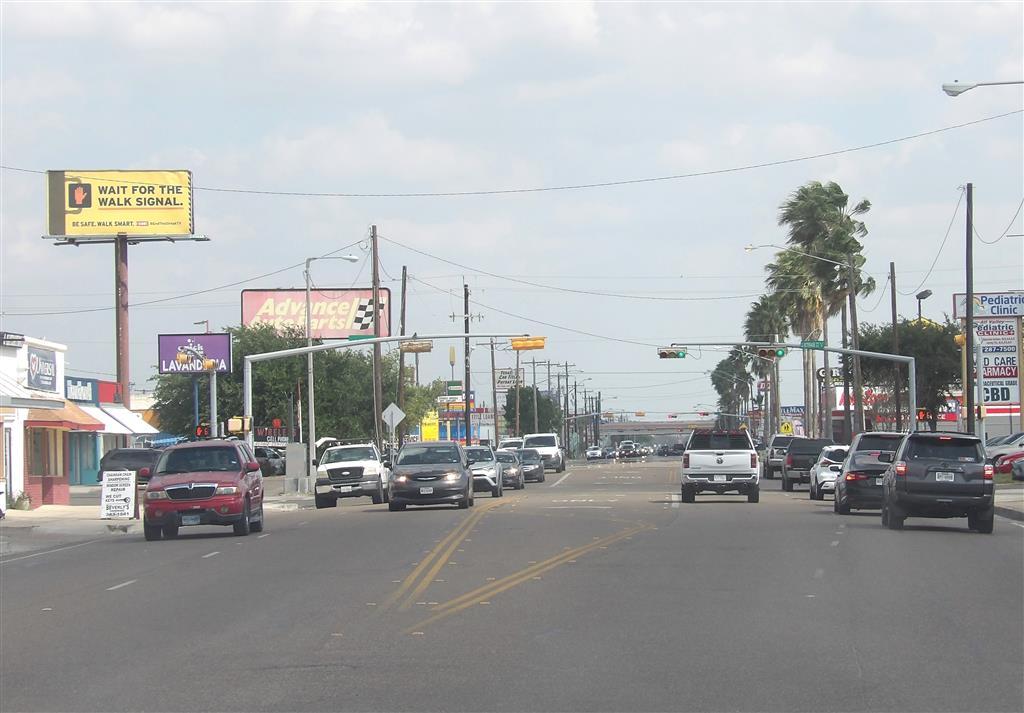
point(392, 416)
point(812, 344)
point(786, 428)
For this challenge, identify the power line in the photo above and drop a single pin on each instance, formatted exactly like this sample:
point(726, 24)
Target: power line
point(1005, 232)
point(583, 186)
point(881, 295)
point(942, 245)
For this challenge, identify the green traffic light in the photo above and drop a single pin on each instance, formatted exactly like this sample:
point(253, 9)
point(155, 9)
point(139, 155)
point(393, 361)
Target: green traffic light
point(681, 354)
point(780, 352)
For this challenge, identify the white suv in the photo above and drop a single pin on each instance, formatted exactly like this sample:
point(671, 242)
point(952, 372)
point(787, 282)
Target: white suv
point(549, 447)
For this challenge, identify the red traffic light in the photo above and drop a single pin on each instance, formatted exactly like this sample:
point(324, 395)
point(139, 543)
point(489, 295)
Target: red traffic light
point(203, 430)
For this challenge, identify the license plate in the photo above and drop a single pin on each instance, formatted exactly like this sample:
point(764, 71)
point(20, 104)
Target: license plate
point(190, 519)
point(945, 476)
point(344, 489)
point(426, 491)
point(719, 478)
point(878, 481)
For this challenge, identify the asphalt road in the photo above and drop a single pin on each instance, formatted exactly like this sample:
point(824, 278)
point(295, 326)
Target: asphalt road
point(598, 591)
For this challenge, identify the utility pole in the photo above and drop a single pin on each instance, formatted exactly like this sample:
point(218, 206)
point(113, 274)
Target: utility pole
point(519, 432)
point(494, 395)
point(536, 425)
point(378, 382)
point(566, 411)
point(827, 383)
point(466, 388)
point(847, 421)
point(858, 384)
point(575, 410)
point(895, 346)
point(969, 308)
point(401, 361)
point(597, 422)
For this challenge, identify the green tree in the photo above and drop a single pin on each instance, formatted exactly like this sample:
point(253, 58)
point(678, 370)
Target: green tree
point(549, 416)
point(732, 381)
point(766, 321)
point(938, 363)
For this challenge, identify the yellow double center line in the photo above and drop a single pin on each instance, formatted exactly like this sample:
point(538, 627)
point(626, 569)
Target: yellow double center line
point(492, 589)
point(421, 577)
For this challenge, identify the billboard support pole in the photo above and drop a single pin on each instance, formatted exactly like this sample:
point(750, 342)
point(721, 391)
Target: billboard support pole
point(214, 426)
point(378, 386)
point(968, 387)
point(494, 395)
point(121, 318)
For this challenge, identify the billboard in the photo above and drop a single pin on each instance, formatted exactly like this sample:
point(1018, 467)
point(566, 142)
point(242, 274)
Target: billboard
point(42, 369)
point(990, 304)
point(194, 353)
point(505, 379)
point(1000, 355)
point(336, 313)
point(104, 203)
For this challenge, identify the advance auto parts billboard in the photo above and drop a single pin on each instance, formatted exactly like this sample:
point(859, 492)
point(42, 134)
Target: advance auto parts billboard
point(335, 313)
point(105, 203)
point(194, 353)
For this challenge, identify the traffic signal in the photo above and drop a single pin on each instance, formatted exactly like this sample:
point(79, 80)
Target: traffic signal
point(522, 344)
point(960, 339)
point(203, 430)
point(922, 414)
point(416, 345)
point(772, 352)
point(702, 413)
point(671, 352)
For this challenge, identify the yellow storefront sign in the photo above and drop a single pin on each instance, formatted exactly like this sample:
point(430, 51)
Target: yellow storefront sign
point(429, 427)
point(132, 203)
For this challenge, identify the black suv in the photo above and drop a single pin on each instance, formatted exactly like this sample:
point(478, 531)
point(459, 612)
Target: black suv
point(129, 459)
point(938, 475)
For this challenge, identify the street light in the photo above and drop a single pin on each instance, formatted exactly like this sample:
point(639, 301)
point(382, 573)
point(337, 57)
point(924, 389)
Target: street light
point(921, 296)
point(311, 454)
point(956, 88)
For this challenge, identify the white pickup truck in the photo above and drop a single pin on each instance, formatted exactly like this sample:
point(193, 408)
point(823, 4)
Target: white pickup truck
point(720, 462)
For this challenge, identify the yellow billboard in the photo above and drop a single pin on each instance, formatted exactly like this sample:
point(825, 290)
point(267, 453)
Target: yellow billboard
point(132, 203)
point(429, 427)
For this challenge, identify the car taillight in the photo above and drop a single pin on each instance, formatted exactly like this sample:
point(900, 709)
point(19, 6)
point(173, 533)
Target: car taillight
point(753, 460)
point(989, 472)
point(901, 468)
point(686, 460)
point(857, 476)
point(789, 459)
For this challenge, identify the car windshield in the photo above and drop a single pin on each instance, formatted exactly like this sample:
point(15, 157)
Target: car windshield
point(417, 454)
point(719, 441)
point(506, 457)
point(197, 460)
point(964, 450)
point(810, 445)
point(782, 441)
point(879, 442)
point(539, 441)
point(529, 456)
point(514, 443)
point(479, 454)
point(347, 455)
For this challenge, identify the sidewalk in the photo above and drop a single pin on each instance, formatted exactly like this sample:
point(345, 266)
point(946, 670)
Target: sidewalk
point(1010, 501)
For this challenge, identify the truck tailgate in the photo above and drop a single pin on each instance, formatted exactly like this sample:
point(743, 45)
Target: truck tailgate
point(710, 462)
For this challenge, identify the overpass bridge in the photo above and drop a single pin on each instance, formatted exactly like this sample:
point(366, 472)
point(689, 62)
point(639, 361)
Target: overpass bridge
point(653, 428)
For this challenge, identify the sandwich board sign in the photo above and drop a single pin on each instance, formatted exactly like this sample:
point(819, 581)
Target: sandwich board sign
point(117, 501)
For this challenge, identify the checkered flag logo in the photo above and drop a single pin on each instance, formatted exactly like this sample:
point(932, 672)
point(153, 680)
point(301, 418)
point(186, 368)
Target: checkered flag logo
point(364, 315)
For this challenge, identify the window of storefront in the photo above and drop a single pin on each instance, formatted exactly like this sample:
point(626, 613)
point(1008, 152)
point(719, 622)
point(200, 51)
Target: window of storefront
point(45, 453)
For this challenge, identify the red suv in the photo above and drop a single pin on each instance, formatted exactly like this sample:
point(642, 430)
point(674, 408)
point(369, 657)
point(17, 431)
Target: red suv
point(204, 483)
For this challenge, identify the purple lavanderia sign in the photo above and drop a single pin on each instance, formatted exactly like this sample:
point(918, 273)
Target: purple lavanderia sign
point(194, 353)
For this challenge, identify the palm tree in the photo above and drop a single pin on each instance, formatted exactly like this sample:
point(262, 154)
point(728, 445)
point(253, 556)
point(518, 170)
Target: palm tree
point(731, 380)
point(766, 321)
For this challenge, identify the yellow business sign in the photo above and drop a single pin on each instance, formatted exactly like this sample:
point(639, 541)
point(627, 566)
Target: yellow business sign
point(133, 203)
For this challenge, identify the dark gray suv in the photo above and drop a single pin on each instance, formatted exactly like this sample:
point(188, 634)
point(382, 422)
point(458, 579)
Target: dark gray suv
point(938, 475)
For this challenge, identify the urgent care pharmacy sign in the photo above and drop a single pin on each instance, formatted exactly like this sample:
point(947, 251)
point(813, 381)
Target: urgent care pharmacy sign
point(1000, 355)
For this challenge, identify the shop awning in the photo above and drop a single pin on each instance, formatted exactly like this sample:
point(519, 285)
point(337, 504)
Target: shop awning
point(14, 395)
point(70, 416)
point(110, 424)
point(131, 420)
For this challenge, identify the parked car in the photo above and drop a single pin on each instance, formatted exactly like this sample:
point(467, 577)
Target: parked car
point(512, 473)
point(859, 484)
point(595, 453)
point(720, 462)
point(776, 454)
point(1017, 472)
point(824, 472)
point(801, 455)
point(549, 447)
point(486, 470)
point(129, 459)
point(532, 465)
point(939, 475)
point(1004, 463)
point(1011, 444)
point(510, 444)
point(431, 473)
point(271, 462)
point(351, 471)
point(212, 482)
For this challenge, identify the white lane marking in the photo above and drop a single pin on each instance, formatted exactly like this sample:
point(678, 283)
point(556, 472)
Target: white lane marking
point(835, 543)
point(1004, 519)
point(260, 537)
point(560, 480)
point(47, 552)
point(304, 522)
point(122, 584)
point(578, 507)
point(819, 573)
point(211, 554)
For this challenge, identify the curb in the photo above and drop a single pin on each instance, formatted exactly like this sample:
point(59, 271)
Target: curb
point(282, 507)
point(1011, 513)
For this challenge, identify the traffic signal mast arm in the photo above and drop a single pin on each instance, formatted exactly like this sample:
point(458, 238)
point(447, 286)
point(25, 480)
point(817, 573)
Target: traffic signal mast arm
point(908, 360)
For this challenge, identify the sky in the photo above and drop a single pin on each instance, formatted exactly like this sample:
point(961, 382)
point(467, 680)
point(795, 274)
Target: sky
point(429, 98)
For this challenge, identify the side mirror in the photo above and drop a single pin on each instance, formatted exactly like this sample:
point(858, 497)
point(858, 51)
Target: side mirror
point(144, 472)
point(835, 468)
point(252, 466)
point(470, 461)
point(316, 462)
point(886, 456)
point(386, 463)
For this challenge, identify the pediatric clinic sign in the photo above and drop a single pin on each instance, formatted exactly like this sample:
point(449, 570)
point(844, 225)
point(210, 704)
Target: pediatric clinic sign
point(990, 304)
point(194, 353)
point(335, 313)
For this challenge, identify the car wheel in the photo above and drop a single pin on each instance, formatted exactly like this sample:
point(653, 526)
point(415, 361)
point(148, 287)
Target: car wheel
point(541, 477)
point(893, 518)
point(396, 507)
point(257, 525)
point(387, 494)
point(170, 531)
point(464, 503)
point(810, 492)
point(841, 505)
point(769, 473)
point(983, 521)
point(243, 526)
point(152, 532)
point(754, 494)
point(325, 501)
point(688, 494)
point(496, 491)
point(787, 484)
point(378, 497)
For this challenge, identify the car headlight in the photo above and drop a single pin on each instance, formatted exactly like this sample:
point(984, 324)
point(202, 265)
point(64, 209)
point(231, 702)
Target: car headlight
point(401, 478)
point(226, 490)
point(512, 471)
point(156, 495)
point(451, 477)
